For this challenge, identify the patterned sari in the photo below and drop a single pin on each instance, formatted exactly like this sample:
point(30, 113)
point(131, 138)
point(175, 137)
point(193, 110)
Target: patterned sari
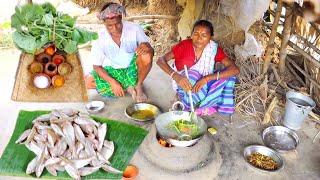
point(216, 95)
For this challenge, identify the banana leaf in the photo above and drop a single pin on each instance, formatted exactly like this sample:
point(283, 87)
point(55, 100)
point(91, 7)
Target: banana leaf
point(126, 138)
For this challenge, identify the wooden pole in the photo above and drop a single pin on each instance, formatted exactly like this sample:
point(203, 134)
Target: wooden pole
point(308, 43)
point(298, 35)
point(295, 74)
point(314, 82)
point(286, 36)
point(269, 50)
point(29, 1)
point(303, 72)
point(301, 51)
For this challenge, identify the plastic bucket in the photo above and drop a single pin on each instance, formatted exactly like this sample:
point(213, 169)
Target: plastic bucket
point(298, 106)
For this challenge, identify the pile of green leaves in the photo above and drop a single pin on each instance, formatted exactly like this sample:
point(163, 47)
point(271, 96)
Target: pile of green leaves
point(37, 25)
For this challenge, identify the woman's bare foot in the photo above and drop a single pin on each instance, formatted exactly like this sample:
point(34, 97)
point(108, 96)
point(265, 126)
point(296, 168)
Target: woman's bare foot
point(132, 92)
point(141, 96)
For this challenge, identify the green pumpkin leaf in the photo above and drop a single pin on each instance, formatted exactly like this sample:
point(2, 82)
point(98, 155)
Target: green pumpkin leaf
point(70, 47)
point(47, 19)
point(24, 42)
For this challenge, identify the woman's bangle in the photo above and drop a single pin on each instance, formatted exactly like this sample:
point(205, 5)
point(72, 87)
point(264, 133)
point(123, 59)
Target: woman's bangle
point(218, 75)
point(171, 75)
point(206, 79)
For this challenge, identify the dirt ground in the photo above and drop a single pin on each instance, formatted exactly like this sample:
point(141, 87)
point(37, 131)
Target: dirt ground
point(227, 161)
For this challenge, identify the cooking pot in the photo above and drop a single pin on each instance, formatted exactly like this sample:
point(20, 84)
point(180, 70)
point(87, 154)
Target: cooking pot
point(181, 140)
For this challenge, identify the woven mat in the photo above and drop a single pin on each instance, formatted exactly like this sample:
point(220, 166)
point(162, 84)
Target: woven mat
point(73, 90)
point(126, 138)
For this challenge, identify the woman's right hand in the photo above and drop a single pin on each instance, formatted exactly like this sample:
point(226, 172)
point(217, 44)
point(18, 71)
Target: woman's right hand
point(182, 81)
point(116, 88)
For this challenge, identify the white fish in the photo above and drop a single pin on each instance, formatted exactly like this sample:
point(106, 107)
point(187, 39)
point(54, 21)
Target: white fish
point(95, 144)
point(58, 167)
point(52, 137)
point(83, 154)
point(61, 147)
point(32, 146)
point(101, 158)
point(69, 112)
point(69, 135)
point(41, 126)
point(52, 170)
point(102, 130)
point(79, 134)
point(67, 154)
point(84, 114)
point(57, 129)
point(87, 128)
point(39, 138)
point(40, 163)
point(89, 148)
point(32, 166)
point(95, 131)
point(72, 171)
point(108, 144)
point(23, 136)
point(68, 140)
point(56, 113)
point(96, 162)
point(52, 161)
point(79, 147)
point(91, 136)
point(42, 118)
point(107, 151)
point(88, 170)
point(111, 169)
point(79, 163)
point(31, 135)
point(85, 121)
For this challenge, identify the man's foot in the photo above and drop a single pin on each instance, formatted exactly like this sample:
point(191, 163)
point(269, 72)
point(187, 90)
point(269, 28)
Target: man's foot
point(132, 92)
point(90, 82)
point(141, 96)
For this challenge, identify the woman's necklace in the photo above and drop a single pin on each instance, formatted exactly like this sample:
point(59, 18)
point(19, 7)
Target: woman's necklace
point(197, 56)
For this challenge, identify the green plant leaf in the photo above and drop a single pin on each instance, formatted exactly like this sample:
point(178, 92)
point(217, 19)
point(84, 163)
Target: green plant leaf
point(24, 42)
point(76, 36)
point(17, 19)
point(35, 25)
point(67, 20)
point(70, 47)
point(47, 19)
point(32, 12)
point(44, 39)
point(85, 35)
point(49, 8)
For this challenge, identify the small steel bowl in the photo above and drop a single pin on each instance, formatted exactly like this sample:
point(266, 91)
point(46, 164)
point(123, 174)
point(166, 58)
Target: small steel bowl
point(95, 106)
point(131, 109)
point(280, 138)
point(265, 151)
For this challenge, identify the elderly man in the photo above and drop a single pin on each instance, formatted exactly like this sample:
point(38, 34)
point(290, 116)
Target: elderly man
point(122, 55)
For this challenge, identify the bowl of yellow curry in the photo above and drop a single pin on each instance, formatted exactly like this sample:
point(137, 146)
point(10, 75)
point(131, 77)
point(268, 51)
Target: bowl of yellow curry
point(142, 112)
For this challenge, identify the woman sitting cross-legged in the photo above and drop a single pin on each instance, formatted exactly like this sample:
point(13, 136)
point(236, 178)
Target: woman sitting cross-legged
point(212, 90)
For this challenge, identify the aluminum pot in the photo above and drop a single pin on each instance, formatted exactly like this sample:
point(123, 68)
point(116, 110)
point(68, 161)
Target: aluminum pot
point(163, 120)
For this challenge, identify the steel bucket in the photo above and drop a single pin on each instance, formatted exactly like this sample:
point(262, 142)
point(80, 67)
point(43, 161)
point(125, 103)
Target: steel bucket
point(297, 108)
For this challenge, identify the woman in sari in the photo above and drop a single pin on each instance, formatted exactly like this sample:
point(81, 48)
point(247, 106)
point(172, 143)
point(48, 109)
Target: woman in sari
point(212, 90)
